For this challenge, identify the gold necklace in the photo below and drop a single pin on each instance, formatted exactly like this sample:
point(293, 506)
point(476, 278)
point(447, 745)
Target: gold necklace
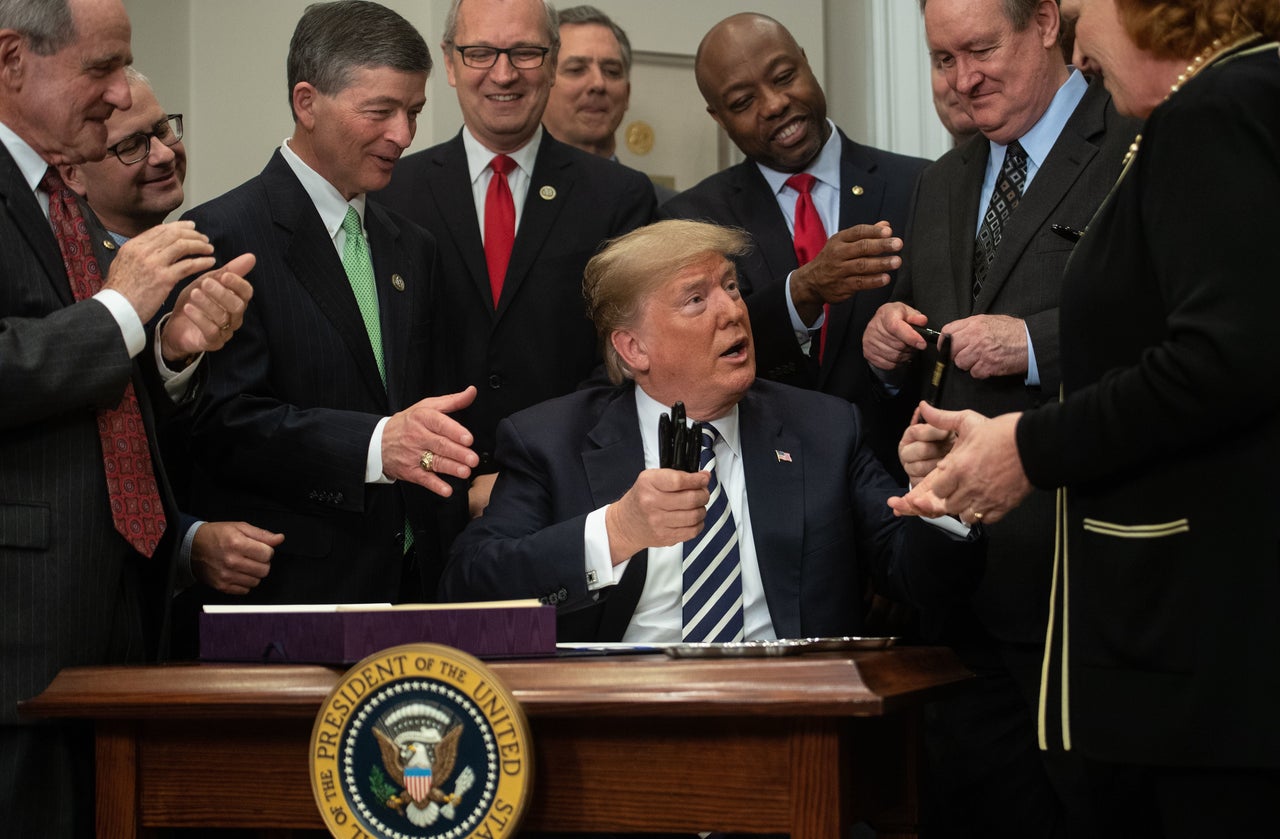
point(1202, 60)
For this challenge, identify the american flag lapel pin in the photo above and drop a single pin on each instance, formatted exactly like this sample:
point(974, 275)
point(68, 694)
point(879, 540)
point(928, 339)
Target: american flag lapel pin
point(783, 457)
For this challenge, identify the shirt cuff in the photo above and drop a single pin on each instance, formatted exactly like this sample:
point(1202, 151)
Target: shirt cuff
point(1033, 371)
point(176, 383)
point(135, 337)
point(803, 333)
point(186, 577)
point(373, 463)
point(600, 569)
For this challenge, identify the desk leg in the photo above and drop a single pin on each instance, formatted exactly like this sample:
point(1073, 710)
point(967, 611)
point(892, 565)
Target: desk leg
point(116, 778)
point(820, 800)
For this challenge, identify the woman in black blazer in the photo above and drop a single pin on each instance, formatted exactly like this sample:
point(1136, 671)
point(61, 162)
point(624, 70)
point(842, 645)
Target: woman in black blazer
point(1162, 664)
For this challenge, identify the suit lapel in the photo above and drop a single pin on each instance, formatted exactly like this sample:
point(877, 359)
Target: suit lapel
point(396, 301)
point(773, 461)
point(857, 169)
point(1071, 153)
point(310, 255)
point(758, 210)
point(965, 192)
point(612, 456)
point(449, 182)
point(24, 209)
point(551, 183)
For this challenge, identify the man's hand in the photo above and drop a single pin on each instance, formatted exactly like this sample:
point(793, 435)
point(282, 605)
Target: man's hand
point(921, 448)
point(208, 311)
point(989, 345)
point(478, 494)
point(854, 259)
point(663, 507)
point(980, 480)
point(426, 427)
point(232, 556)
point(889, 341)
point(150, 264)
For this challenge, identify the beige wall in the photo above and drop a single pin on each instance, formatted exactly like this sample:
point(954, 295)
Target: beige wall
point(221, 63)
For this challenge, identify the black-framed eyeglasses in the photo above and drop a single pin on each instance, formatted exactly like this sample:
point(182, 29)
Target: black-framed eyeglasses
point(521, 58)
point(136, 147)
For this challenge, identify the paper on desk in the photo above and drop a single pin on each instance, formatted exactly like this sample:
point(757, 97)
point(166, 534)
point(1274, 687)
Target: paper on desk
point(266, 608)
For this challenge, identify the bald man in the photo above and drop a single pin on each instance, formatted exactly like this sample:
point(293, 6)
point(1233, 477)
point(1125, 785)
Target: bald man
point(808, 314)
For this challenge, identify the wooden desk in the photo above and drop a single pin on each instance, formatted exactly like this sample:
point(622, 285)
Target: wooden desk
point(808, 745)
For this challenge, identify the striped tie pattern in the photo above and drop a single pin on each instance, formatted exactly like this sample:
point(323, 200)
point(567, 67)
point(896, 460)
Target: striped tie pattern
point(711, 606)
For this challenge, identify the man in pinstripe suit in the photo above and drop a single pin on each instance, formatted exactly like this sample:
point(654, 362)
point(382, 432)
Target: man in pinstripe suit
point(73, 590)
point(319, 423)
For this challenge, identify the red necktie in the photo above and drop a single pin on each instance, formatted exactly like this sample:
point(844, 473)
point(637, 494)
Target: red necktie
point(499, 224)
point(809, 238)
point(131, 480)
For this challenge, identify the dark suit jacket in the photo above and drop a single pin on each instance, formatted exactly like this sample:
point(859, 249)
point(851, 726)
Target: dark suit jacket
point(1025, 281)
point(281, 436)
point(814, 518)
point(740, 196)
point(1169, 437)
point(539, 342)
point(72, 591)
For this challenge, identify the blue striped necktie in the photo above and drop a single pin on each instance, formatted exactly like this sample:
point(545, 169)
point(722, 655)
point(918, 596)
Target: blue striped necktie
point(711, 606)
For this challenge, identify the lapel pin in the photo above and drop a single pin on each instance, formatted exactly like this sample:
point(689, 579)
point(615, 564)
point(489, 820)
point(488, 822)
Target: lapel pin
point(109, 244)
point(783, 457)
point(397, 282)
point(547, 193)
point(857, 190)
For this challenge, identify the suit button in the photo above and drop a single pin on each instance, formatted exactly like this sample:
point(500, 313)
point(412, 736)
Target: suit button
point(562, 595)
point(495, 381)
point(337, 498)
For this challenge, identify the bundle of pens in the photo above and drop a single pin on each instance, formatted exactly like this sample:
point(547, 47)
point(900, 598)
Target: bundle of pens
point(679, 444)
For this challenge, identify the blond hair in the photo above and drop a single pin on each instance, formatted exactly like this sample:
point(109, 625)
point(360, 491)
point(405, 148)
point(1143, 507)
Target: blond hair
point(630, 268)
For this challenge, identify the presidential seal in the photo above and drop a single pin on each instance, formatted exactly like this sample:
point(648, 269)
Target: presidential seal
point(421, 742)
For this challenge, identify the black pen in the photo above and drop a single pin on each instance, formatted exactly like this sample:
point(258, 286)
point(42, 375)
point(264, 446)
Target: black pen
point(926, 333)
point(1069, 233)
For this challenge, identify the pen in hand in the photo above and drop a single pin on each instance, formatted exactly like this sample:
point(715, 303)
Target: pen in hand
point(679, 446)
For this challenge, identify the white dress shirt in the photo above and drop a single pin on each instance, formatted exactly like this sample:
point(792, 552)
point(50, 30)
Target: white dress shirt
point(657, 617)
point(518, 179)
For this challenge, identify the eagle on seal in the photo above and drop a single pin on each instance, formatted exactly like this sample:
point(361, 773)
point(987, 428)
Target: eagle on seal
point(419, 745)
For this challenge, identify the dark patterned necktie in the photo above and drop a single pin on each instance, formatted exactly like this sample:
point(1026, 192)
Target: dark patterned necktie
point(711, 606)
point(1004, 200)
point(136, 510)
point(809, 238)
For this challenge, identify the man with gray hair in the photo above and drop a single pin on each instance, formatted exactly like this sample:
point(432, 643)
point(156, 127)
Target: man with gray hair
point(322, 426)
point(86, 520)
point(782, 508)
point(997, 218)
point(513, 256)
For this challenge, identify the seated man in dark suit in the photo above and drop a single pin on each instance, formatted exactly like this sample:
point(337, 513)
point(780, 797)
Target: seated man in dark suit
point(792, 499)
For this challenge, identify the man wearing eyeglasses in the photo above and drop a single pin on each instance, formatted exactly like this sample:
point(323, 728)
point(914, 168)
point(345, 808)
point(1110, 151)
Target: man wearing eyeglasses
point(139, 182)
point(86, 519)
point(131, 190)
point(512, 279)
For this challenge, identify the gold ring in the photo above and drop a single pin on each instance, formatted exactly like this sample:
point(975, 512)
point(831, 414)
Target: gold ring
point(428, 461)
point(225, 326)
point(977, 516)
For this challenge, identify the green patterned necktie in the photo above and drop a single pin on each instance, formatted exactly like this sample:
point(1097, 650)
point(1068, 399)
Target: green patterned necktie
point(359, 267)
